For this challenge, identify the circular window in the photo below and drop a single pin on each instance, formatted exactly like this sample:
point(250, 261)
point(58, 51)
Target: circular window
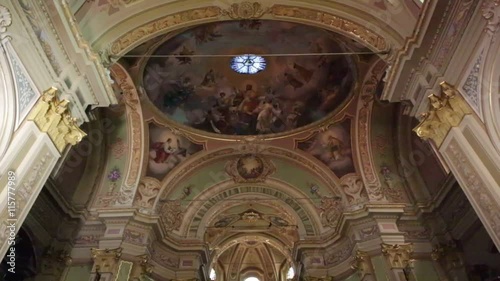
point(248, 64)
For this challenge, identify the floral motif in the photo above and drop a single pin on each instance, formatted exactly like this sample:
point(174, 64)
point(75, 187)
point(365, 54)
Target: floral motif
point(118, 148)
point(114, 175)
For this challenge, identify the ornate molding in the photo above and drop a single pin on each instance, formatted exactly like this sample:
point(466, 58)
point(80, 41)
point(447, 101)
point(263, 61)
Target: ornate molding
point(445, 112)
point(136, 129)
point(472, 85)
point(477, 191)
point(245, 10)
point(491, 12)
point(331, 21)
point(398, 256)
point(53, 117)
point(5, 19)
point(151, 28)
point(250, 168)
point(171, 214)
point(362, 263)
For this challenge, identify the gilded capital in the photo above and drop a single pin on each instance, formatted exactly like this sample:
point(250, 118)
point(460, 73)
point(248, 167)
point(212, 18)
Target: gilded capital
point(53, 117)
point(106, 260)
point(362, 263)
point(146, 266)
point(399, 255)
point(445, 111)
point(449, 255)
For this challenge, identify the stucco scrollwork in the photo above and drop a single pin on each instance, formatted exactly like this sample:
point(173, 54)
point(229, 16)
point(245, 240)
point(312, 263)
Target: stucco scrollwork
point(445, 112)
point(354, 189)
point(148, 190)
point(250, 168)
point(5, 19)
point(53, 117)
point(245, 10)
point(481, 196)
point(491, 12)
point(171, 215)
point(132, 37)
point(343, 25)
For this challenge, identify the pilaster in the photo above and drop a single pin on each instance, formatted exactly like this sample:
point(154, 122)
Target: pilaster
point(40, 140)
point(399, 259)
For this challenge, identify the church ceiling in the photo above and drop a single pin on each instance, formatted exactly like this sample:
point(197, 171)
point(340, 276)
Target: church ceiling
point(290, 92)
point(247, 169)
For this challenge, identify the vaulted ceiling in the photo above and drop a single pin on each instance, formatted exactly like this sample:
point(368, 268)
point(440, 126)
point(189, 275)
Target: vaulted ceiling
point(247, 173)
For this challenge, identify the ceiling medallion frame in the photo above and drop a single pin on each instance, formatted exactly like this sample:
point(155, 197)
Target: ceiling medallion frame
point(250, 168)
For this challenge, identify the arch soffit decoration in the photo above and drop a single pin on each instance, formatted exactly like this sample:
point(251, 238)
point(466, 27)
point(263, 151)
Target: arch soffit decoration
point(303, 211)
point(135, 134)
point(132, 31)
point(491, 89)
point(241, 238)
point(174, 180)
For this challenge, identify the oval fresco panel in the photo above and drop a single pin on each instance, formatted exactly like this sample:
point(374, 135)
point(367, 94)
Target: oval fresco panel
point(290, 92)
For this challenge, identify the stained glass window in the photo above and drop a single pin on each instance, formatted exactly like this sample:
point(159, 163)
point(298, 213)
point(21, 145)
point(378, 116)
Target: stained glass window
point(248, 64)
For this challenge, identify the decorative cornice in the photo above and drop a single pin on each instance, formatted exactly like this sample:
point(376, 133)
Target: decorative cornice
point(53, 117)
point(246, 10)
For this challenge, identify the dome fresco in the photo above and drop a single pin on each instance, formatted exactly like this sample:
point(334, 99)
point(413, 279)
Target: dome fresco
point(207, 93)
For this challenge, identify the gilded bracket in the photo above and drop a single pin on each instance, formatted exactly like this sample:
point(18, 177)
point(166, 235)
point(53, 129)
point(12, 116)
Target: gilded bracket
point(445, 111)
point(52, 116)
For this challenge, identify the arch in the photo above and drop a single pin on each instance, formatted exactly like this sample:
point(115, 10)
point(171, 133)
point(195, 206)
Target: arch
point(8, 106)
point(490, 91)
point(271, 189)
point(131, 31)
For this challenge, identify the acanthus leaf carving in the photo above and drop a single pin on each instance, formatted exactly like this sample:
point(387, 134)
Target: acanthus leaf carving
point(445, 112)
point(398, 255)
point(5, 19)
point(245, 10)
point(52, 116)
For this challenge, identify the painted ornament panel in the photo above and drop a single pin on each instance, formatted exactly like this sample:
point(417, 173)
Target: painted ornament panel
point(167, 150)
point(333, 148)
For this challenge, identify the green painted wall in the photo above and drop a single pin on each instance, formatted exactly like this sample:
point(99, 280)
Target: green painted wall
point(354, 277)
point(381, 268)
point(424, 271)
point(78, 273)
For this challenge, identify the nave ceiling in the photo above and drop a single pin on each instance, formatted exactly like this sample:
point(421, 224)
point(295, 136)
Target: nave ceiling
point(249, 201)
point(195, 189)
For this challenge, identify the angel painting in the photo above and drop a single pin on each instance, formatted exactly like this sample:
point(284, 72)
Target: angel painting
point(332, 147)
point(167, 150)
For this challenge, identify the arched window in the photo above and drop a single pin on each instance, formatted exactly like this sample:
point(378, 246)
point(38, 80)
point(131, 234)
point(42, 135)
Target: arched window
point(252, 279)
point(212, 275)
point(291, 273)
